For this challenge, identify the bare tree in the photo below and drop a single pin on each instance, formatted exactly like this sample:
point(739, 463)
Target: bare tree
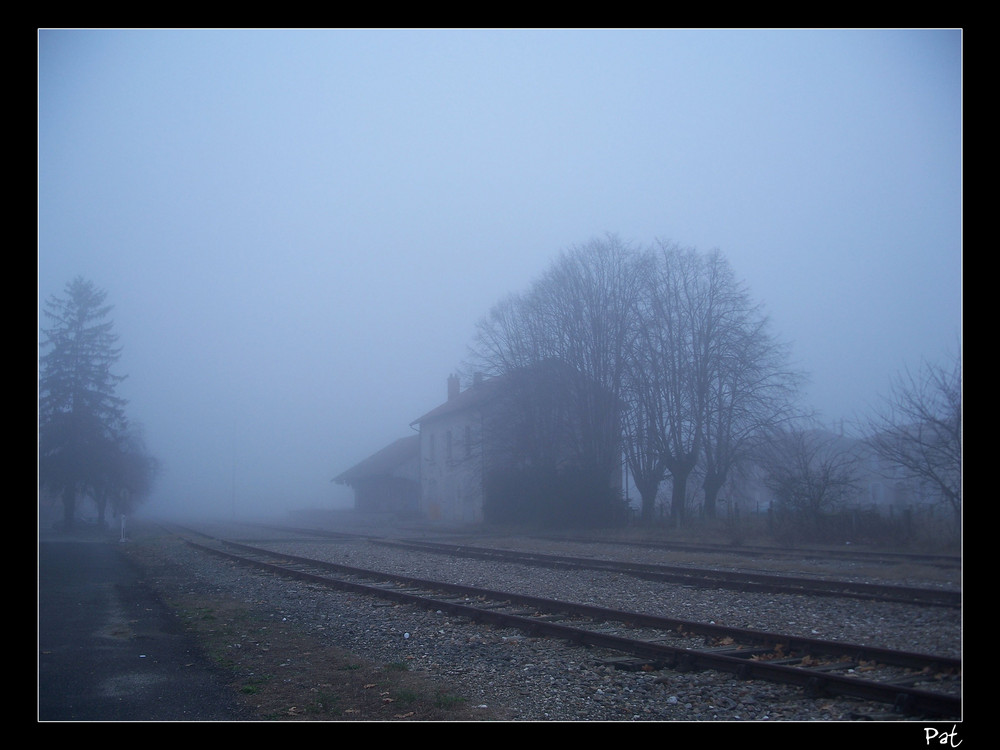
point(589, 300)
point(511, 336)
point(676, 364)
point(581, 315)
point(644, 431)
point(535, 464)
point(752, 391)
point(918, 429)
point(668, 373)
point(812, 473)
point(710, 374)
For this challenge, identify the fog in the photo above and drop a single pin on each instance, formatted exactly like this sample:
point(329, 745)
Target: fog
point(299, 230)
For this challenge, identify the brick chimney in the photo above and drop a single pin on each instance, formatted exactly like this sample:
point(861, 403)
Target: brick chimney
point(453, 386)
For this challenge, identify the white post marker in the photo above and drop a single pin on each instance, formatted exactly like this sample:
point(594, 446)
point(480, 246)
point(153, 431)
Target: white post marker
point(123, 528)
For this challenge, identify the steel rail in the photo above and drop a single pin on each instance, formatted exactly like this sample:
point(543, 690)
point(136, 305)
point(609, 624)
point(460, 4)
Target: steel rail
point(893, 558)
point(701, 576)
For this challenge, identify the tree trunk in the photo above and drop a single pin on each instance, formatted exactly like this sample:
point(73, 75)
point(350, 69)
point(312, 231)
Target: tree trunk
point(647, 493)
point(102, 505)
point(680, 470)
point(712, 485)
point(678, 495)
point(69, 506)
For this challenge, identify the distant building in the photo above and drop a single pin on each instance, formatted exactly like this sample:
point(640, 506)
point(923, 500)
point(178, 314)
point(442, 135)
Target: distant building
point(513, 423)
point(389, 480)
point(452, 452)
point(515, 432)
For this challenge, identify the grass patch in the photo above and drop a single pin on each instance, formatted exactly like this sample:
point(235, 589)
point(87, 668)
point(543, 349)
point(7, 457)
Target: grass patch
point(406, 697)
point(255, 684)
point(449, 701)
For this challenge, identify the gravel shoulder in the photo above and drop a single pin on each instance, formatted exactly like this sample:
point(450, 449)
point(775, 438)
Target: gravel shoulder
point(280, 662)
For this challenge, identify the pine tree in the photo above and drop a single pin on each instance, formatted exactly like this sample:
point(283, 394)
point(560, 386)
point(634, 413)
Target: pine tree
point(80, 416)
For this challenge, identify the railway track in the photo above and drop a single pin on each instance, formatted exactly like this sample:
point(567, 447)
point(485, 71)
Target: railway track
point(702, 577)
point(682, 575)
point(851, 555)
point(912, 683)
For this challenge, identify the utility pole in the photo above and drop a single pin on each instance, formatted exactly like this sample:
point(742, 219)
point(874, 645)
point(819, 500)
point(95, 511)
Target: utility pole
point(234, 470)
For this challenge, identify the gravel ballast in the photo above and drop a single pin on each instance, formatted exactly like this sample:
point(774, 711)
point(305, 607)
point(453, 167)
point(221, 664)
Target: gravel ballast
point(526, 678)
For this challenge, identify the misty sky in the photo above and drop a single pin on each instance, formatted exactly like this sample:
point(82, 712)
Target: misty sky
point(300, 229)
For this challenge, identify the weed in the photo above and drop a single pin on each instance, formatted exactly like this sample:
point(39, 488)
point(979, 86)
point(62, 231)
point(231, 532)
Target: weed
point(254, 685)
point(324, 703)
point(406, 697)
point(447, 700)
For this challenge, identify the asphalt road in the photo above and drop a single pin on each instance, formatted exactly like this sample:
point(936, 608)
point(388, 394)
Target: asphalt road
point(108, 649)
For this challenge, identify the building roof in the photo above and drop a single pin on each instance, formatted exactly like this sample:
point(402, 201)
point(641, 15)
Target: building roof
point(384, 461)
point(470, 397)
point(485, 388)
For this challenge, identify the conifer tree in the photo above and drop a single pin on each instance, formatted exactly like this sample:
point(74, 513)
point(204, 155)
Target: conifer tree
point(80, 415)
